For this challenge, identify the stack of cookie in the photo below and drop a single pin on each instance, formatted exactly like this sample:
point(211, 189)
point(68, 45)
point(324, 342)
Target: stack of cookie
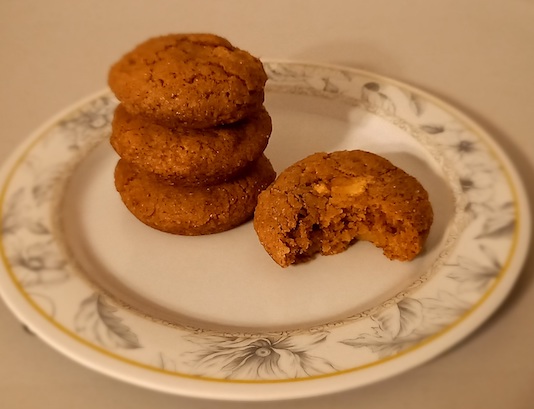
point(191, 130)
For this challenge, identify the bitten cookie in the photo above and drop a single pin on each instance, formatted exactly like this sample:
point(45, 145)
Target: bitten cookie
point(190, 156)
point(195, 80)
point(327, 201)
point(191, 210)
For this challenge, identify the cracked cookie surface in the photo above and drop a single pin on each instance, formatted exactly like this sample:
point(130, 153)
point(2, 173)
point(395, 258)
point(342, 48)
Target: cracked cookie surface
point(195, 80)
point(195, 210)
point(190, 156)
point(327, 201)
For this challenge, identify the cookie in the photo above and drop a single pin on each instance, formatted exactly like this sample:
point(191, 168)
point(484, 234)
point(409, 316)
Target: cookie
point(327, 201)
point(190, 156)
point(194, 80)
point(191, 211)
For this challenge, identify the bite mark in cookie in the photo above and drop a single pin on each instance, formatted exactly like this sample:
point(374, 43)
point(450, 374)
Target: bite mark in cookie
point(327, 201)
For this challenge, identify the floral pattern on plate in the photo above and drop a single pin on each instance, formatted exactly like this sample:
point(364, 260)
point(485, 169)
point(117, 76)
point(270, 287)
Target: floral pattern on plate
point(44, 274)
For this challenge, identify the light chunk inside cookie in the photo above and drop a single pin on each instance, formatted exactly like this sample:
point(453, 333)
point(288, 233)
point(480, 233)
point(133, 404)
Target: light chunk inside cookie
point(326, 202)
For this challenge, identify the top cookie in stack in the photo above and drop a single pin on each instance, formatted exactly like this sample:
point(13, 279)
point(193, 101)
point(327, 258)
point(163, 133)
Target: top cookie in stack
point(191, 122)
point(193, 80)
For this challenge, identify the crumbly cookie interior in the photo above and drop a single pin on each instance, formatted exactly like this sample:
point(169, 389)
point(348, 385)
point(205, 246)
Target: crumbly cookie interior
point(327, 202)
point(335, 214)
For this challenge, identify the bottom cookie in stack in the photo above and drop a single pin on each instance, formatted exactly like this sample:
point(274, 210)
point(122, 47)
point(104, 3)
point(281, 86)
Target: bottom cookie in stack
point(195, 210)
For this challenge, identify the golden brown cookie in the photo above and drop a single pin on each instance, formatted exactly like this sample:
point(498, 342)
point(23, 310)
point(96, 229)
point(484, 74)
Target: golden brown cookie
point(196, 80)
point(327, 201)
point(190, 156)
point(191, 210)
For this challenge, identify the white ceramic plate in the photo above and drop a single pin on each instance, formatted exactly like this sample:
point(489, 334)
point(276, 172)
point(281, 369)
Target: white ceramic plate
point(214, 316)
